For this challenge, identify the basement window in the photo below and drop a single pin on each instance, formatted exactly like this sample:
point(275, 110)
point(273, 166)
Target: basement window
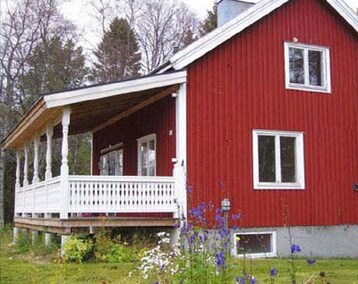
point(255, 244)
point(307, 67)
point(278, 160)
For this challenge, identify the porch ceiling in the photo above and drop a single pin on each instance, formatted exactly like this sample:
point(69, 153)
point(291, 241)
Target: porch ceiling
point(92, 108)
point(89, 115)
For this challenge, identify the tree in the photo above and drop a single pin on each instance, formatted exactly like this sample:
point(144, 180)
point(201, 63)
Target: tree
point(117, 55)
point(211, 22)
point(162, 28)
point(53, 66)
point(25, 24)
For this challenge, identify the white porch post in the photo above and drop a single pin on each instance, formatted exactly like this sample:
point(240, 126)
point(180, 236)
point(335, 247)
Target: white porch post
point(36, 178)
point(17, 185)
point(17, 182)
point(64, 165)
point(180, 164)
point(49, 134)
point(26, 166)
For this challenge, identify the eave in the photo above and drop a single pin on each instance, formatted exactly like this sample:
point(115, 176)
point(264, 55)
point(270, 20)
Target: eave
point(92, 107)
point(252, 15)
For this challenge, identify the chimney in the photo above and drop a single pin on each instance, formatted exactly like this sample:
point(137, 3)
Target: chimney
point(229, 9)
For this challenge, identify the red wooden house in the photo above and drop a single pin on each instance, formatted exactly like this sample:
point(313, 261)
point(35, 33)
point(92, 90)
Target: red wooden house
point(262, 111)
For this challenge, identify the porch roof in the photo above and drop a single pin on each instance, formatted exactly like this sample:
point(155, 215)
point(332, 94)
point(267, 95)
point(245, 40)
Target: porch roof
point(93, 107)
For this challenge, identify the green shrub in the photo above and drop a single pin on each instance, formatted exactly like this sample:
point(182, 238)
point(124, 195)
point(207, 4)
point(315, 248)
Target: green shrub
point(108, 250)
point(75, 249)
point(23, 241)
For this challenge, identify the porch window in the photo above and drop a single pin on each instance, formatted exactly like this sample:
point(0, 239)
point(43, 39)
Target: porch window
point(307, 67)
point(147, 155)
point(278, 160)
point(111, 161)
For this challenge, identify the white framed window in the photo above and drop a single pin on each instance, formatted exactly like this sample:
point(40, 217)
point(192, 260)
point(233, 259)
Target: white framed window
point(278, 159)
point(147, 155)
point(111, 161)
point(255, 244)
point(307, 67)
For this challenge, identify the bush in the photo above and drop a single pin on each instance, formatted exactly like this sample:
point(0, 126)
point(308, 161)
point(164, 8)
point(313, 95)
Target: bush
point(76, 249)
point(23, 241)
point(108, 250)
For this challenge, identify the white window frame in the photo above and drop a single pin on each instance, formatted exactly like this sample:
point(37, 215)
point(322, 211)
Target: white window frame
point(299, 159)
point(272, 253)
point(140, 140)
point(326, 68)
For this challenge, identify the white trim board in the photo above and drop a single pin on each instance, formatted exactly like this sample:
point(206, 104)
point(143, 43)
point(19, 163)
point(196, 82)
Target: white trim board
point(207, 43)
point(114, 89)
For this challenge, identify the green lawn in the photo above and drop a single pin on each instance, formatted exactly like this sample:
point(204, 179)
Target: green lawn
point(37, 268)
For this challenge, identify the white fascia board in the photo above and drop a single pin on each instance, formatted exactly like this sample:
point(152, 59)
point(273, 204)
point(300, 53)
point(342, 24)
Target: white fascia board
point(225, 32)
point(114, 89)
point(207, 43)
point(346, 12)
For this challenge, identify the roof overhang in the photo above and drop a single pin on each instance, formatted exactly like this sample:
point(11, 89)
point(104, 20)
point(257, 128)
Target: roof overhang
point(92, 107)
point(223, 33)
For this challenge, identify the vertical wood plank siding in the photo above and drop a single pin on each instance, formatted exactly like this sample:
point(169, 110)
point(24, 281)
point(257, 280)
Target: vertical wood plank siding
point(240, 86)
point(158, 118)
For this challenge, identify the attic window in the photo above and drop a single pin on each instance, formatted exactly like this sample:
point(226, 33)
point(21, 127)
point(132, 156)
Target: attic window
point(307, 67)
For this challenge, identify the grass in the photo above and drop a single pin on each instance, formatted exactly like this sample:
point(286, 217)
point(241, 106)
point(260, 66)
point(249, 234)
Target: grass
point(36, 267)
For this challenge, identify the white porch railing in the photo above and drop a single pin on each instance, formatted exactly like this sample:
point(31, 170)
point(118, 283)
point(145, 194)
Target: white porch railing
point(43, 197)
point(99, 194)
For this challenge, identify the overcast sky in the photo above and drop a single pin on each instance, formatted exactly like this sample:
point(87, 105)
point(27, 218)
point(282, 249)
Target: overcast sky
point(75, 10)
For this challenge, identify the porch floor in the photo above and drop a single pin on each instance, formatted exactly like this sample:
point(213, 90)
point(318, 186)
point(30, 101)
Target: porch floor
point(73, 224)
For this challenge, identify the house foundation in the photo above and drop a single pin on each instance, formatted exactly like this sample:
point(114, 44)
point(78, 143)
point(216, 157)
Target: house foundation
point(314, 241)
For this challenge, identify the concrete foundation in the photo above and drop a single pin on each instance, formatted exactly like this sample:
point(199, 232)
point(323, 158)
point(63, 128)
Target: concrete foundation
point(48, 239)
point(314, 241)
point(64, 238)
point(16, 232)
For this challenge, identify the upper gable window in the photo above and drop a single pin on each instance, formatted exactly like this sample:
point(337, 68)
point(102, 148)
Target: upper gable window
point(307, 67)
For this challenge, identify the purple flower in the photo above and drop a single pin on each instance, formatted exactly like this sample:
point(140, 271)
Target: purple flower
point(190, 189)
point(236, 216)
point(273, 272)
point(311, 261)
point(220, 259)
point(295, 248)
point(191, 239)
point(252, 280)
point(239, 280)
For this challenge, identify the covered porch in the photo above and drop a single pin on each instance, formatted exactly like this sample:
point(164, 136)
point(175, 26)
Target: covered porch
point(65, 203)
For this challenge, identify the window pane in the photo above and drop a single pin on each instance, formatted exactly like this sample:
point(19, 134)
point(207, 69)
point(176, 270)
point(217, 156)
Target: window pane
point(296, 66)
point(267, 171)
point(151, 144)
point(255, 243)
point(315, 66)
point(288, 164)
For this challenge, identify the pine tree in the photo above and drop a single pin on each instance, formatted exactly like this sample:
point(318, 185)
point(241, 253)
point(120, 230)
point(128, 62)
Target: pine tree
point(210, 23)
point(117, 55)
point(53, 66)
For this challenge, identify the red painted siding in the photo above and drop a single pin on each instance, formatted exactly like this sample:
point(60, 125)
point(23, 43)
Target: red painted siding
point(245, 90)
point(158, 118)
